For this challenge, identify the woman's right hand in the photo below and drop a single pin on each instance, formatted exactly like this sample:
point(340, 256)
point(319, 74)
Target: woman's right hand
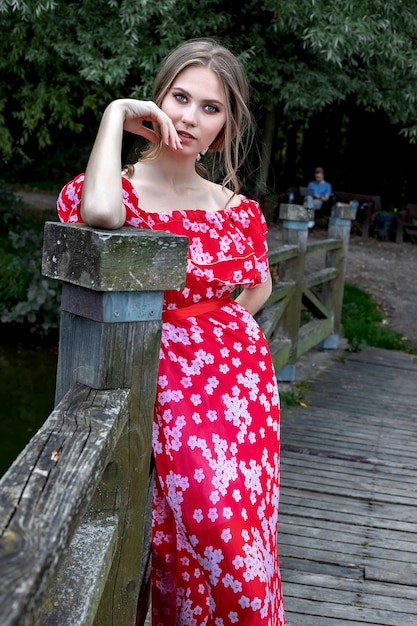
point(101, 201)
point(136, 112)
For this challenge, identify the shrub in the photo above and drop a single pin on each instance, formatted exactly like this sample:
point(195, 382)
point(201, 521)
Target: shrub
point(26, 297)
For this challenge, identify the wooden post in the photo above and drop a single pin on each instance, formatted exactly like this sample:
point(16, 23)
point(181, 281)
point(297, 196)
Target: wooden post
point(340, 224)
point(295, 232)
point(109, 339)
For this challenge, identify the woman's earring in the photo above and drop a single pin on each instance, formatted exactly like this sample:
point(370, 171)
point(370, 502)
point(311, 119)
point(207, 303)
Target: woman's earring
point(201, 154)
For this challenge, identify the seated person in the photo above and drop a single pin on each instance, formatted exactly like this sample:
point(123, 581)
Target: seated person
point(321, 188)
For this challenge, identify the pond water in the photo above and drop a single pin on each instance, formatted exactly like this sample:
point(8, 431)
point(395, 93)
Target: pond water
point(27, 390)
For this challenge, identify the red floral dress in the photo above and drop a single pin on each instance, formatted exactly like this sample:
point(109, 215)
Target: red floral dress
point(216, 426)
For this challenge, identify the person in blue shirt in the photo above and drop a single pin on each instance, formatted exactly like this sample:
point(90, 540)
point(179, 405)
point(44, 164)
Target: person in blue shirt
point(322, 189)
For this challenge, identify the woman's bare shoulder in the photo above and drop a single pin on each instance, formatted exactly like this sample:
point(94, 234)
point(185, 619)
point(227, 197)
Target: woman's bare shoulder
point(223, 196)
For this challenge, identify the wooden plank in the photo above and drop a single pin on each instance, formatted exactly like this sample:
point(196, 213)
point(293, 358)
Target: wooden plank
point(299, 455)
point(352, 506)
point(375, 588)
point(323, 245)
point(293, 270)
point(280, 352)
point(321, 276)
point(289, 563)
point(349, 488)
point(85, 346)
point(348, 552)
point(76, 589)
point(351, 597)
point(311, 334)
point(297, 507)
point(333, 448)
point(405, 575)
point(280, 291)
point(284, 253)
point(383, 546)
point(269, 317)
point(338, 610)
point(295, 531)
point(314, 305)
point(58, 471)
point(347, 468)
point(298, 619)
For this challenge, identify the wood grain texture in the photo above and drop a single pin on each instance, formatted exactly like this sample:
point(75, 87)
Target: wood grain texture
point(348, 528)
point(45, 494)
point(127, 259)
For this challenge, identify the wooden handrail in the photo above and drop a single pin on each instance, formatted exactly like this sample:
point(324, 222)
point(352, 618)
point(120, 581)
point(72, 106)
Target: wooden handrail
point(46, 494)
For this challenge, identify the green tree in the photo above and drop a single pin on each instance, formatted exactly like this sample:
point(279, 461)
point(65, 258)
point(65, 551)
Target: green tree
point(61, 63)
point(335, 57)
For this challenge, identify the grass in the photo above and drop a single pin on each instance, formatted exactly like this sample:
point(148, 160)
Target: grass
point(294, 395)
point(364, 324)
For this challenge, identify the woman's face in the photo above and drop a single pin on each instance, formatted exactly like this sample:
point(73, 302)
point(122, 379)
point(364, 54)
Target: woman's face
point(196, 105)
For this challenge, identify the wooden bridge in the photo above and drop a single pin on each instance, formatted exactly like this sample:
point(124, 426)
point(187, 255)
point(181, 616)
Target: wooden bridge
point(73, 507)
point(348, 523)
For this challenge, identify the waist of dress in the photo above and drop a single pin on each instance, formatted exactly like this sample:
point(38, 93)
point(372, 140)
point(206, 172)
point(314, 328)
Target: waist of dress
point(205, 306)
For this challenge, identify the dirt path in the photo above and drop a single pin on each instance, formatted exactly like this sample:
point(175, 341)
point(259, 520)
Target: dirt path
point(386, 270)
point(389, 272)
point(39, 200)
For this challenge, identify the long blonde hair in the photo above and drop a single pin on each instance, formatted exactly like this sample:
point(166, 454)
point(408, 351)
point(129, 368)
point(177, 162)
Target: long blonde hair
point(233, 141)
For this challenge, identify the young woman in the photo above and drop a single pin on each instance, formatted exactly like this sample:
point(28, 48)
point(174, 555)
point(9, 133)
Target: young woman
point(216, 420)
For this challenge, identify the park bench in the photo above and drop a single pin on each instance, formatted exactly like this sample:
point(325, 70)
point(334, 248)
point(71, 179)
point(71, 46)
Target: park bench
point(407, 222)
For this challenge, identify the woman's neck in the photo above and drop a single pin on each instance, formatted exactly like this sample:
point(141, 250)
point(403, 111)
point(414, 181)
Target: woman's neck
point(170, 172)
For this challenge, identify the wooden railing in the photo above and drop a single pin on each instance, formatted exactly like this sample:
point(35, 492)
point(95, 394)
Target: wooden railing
point(75, 506)
point(305, 307)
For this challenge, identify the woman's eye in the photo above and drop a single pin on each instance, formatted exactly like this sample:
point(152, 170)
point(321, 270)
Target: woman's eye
point(211, 108)
point(180, 97)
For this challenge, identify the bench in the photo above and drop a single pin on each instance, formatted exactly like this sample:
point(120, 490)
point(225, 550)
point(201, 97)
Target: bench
point(407, 222)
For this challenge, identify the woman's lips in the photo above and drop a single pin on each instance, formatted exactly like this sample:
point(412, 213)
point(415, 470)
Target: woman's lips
point(185, 137)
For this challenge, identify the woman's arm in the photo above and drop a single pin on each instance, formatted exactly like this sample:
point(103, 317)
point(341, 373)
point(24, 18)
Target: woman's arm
point(101, 202)
point(254, 298)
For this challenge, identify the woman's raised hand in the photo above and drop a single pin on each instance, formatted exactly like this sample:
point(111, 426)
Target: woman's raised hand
point(139, 111)
point(101, 202)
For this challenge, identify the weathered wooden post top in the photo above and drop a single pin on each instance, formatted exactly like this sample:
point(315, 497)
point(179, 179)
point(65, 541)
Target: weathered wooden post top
point(127, 259)
point(295, 217)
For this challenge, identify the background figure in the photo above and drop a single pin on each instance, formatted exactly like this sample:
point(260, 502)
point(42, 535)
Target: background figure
point(322, 191)
point(321, 188)
point(216, 419)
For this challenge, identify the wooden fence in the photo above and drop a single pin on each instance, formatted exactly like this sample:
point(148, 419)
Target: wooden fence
point(75, 506)
point(305, 307)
